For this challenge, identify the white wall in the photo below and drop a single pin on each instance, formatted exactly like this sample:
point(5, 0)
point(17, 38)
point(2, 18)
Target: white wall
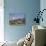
point(43, 6)
point(1, 21)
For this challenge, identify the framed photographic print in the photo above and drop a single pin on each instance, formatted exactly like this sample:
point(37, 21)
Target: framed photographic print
point(16, 19)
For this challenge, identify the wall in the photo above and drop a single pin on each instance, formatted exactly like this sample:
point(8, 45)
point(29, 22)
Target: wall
point(1, 21)
point(28, 7)
point(43, 6)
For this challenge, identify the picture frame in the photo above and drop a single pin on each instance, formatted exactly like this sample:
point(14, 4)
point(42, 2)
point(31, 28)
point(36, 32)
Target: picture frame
point(16, 19)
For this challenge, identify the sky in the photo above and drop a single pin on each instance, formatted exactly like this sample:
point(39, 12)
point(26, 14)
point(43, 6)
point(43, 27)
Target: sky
point(16, 16)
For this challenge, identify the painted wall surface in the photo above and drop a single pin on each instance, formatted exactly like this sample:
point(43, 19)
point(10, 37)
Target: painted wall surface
point(27, 7)
point(43, 6)
point(1, 21)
